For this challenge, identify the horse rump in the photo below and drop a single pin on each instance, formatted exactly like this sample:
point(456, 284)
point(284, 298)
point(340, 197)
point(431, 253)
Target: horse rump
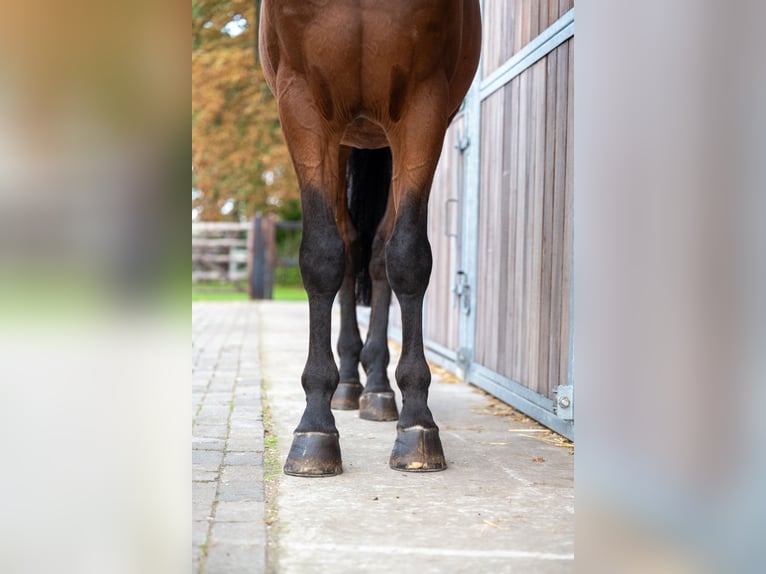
point(369, 180)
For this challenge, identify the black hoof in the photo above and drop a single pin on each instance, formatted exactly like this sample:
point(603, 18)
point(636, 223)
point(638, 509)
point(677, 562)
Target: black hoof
point(378, 407)
point(314, 454)
point(417, 449)
point(346, 396)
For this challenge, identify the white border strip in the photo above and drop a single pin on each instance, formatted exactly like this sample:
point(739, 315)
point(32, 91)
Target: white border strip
point(422, 551)
point(550, 39)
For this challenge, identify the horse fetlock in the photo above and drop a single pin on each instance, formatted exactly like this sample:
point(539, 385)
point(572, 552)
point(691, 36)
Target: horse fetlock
point(413, 374)
point(322, 261)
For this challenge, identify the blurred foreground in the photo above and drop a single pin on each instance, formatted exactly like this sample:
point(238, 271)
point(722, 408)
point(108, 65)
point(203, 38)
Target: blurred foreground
point(94, 144)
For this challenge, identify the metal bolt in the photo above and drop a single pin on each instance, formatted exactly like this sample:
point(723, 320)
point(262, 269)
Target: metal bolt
point(564, 402)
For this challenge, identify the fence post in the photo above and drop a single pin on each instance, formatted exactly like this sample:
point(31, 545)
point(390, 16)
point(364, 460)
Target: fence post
point(261, 284)
point(258, 260)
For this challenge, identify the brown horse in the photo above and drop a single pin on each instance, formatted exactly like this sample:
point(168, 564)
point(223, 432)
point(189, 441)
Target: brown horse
point(366, 90)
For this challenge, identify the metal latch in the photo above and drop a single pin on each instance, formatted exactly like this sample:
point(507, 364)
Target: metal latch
point(462, 291)
point(564, 405)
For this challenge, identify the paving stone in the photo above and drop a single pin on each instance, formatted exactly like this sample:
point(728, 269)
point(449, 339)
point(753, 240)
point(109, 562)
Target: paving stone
point(244, 458)
point(241, 491)
point(208, 459)
point(237, 533)
point(241, 473)
point(242, 444)
point(205, 443)
point(202, 474)
point(233, 558)
point(199, 532)
point(239, 511)
point(248, 381)
point(211, 431)
point(203, 495)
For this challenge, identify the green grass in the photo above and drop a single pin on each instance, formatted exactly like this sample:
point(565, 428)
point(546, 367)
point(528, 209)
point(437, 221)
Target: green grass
point(217, 291)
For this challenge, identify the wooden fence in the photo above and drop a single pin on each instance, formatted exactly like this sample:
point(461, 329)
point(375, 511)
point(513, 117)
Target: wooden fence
point(233, 252)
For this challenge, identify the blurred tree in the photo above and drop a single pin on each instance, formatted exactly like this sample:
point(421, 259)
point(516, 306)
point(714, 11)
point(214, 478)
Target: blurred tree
point(240, 164)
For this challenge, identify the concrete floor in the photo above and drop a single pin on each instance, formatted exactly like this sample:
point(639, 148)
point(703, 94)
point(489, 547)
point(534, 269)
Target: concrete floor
point(505, 504)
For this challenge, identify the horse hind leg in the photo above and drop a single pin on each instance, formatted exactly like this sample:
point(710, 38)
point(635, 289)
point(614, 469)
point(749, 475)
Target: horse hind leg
point(346, 396)
point(377, 403)
point(371, 208)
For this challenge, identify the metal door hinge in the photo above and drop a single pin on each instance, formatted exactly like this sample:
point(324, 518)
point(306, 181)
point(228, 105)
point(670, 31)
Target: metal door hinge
point(564, 405)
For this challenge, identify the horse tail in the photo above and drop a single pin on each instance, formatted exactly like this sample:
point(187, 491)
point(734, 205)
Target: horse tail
point(369, 179)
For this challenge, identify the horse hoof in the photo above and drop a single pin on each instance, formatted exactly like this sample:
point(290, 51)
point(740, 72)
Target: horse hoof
point(346, 396)
point(417, 449)
point(378, 406)
point(314, 454)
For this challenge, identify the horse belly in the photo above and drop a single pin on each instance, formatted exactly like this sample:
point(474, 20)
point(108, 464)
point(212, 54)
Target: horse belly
point(363, 133)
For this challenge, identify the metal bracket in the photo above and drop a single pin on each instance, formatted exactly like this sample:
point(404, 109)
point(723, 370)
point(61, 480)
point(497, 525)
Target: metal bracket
point(564, 405)
point(463, 141)
point(462, 291)
point(464, 358)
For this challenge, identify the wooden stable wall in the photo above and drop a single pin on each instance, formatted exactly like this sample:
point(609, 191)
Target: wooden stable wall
point(440, 321)
point(501, 213)
point(509, 25)
point(525, 251)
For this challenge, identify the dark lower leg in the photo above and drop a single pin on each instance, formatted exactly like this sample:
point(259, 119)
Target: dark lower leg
point(346, 396)
point(378, 403)
point(315, 450)
point(408, 256)
point(375, 356)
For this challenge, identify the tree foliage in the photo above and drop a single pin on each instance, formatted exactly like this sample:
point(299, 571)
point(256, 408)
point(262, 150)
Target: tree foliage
point(239, 159)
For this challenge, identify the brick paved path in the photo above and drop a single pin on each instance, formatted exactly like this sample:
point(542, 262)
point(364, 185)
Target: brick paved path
point(228, 533)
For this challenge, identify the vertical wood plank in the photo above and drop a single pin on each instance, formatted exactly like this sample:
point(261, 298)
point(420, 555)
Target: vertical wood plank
point(526, 27)
point(506, 222)
point(545, 288)
point(544, 23)
point(528, 227)
point(559, 191)
point(566, 280)
point(518, 25)
point(553, 11)
point(483, 328)
point(496, 226)
point(534, 19)
point(520, 229)
point(509, 264)
point(538, 187)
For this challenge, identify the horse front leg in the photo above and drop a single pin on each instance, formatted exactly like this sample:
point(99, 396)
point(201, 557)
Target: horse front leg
point(416, 147)
point(315, 450)
point(408, 255)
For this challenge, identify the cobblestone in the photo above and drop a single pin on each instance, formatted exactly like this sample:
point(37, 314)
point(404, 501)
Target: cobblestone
point(228, 530)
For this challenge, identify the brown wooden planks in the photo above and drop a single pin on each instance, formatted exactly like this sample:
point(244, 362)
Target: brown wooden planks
point(441, 318)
